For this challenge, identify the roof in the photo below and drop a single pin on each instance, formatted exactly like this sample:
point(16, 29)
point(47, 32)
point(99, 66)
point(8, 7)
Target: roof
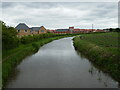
point(35, 28)
point(22, 26)
point(62, 30)
point(51, 30)
point(77, 29)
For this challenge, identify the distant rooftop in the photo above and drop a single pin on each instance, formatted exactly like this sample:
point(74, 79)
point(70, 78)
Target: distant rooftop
point(22, 26)
point(35, 28)
point(62, 30)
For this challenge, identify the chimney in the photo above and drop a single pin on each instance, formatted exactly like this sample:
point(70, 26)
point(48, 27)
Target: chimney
point(71, 28)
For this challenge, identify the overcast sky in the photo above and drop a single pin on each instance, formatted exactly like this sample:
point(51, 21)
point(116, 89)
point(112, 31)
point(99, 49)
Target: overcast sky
point(61, 14)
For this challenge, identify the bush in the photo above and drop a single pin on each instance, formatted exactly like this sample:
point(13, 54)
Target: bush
point(9, 38)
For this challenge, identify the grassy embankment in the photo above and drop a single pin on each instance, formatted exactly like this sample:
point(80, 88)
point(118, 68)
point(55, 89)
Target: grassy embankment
point(13, 57)
point(102, 49)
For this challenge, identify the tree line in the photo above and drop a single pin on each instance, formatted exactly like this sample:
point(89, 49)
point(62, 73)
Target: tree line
point(113, 29)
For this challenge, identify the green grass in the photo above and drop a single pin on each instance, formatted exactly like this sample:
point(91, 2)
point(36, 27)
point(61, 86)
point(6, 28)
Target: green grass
point(0, 75)
point(102, 49)
point(13, 57)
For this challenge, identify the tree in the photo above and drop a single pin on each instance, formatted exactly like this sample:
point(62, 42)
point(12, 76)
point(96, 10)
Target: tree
point(117, 30)
point(9, 37)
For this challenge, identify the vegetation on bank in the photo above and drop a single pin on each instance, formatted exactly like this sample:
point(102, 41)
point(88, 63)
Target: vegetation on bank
point(15, 49)
point(102, 49)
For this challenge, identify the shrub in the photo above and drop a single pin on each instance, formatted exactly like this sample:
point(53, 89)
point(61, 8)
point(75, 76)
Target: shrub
point(9, 38)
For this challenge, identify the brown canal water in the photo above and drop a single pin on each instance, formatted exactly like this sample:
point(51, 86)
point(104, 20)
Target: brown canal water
point(58, 65)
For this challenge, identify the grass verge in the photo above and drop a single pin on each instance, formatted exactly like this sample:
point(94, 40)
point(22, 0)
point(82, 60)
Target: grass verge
point(102, 49)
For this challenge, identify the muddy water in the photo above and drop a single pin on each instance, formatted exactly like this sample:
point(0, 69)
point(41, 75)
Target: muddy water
point(58, 65)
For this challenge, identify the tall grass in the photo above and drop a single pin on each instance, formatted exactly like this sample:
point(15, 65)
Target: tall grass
point(102, 49)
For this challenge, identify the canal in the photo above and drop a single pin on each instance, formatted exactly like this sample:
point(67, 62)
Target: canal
point(58, 65)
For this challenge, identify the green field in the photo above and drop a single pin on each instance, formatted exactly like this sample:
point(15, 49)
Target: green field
point(102, 49)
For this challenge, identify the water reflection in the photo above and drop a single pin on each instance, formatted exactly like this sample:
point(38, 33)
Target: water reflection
point(96, 71)
point(14, 75)
point(58, 65)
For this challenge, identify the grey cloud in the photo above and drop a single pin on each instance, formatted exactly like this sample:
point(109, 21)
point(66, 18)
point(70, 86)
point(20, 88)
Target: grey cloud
point(60, 14)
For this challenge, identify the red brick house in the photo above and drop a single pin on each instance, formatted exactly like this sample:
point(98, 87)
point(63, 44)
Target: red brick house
point(73, 30)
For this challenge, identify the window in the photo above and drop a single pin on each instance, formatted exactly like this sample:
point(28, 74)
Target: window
point(42, 30)
point(25, 30)
point(18, 30)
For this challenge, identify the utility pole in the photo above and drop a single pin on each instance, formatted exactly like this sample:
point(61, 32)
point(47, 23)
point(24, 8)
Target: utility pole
point(92, 27)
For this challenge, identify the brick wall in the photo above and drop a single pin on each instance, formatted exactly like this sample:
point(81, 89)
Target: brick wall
point(23, 33)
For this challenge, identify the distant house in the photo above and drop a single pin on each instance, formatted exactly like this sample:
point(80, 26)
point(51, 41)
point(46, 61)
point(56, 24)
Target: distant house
point(51, 31)
point(62, 31)
point(38, 30)
point(24, 30)
point(34, 30)
point(42, 30)
point(74, 30)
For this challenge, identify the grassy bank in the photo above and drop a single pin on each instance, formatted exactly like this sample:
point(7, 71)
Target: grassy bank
point(13, 57)
point(102, 49)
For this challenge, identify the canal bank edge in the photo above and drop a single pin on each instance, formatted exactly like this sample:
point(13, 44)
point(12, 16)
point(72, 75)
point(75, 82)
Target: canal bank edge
point(99, 56)
point(23, 51)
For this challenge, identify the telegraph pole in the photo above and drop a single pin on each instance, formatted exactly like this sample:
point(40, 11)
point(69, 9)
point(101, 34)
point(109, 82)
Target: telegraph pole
point(92, 27)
